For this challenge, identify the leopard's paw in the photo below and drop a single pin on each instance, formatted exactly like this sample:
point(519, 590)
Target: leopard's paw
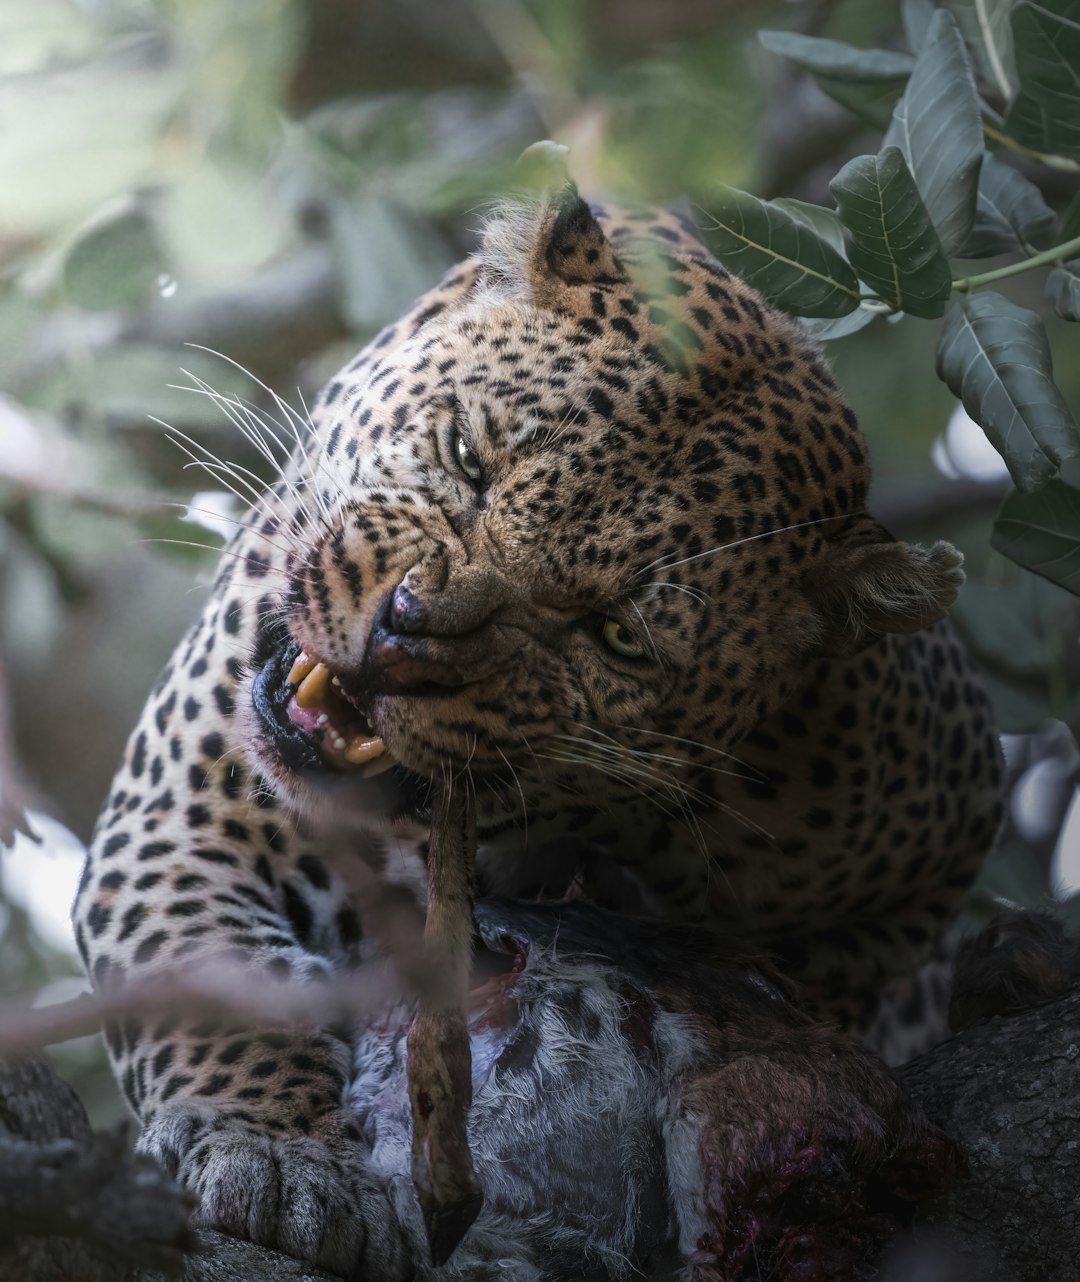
point(311, 1196)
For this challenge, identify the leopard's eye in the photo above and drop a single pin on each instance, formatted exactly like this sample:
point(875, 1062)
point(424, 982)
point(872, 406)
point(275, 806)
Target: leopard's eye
point(467, 460)
point(618, 639)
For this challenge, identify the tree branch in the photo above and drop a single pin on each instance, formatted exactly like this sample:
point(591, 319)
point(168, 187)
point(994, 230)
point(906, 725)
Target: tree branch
point(74, 1205)
point(1006, 1089)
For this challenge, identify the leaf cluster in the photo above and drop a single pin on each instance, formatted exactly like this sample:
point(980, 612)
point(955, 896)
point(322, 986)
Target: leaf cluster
point(985, 83)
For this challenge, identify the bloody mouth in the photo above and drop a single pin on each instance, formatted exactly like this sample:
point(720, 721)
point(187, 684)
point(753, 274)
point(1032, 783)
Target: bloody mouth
point(312, 720)
point(320, 708)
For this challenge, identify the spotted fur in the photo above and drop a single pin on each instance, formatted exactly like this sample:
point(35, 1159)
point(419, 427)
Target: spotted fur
point(801, 752)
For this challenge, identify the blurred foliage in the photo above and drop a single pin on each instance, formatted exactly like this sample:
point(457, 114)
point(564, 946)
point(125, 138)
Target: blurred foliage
point(274, 179)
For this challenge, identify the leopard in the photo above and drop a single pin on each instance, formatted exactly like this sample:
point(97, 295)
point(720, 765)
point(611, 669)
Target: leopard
point(586, 532)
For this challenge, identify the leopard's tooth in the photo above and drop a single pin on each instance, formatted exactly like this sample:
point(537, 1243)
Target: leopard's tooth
point(302, 665)
point(313, 690)
point(379, 765)
point(364, 748)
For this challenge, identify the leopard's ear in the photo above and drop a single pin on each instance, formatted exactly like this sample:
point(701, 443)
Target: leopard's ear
point(871, 584)
point(545, 238)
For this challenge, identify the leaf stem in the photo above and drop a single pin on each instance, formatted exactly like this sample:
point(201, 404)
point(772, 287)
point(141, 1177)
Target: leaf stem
point(1052, 162)
point(1055, 254)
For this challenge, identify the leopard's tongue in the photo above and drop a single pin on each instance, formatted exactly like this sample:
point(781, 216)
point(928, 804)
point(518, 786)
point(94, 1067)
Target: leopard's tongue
point(320, 711)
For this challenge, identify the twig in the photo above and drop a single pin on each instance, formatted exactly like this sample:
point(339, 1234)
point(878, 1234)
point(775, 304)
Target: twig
point(213, 990)
point(440, 1063)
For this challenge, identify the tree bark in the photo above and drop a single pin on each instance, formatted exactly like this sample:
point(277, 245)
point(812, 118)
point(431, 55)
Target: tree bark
point(74, 1206)
point(1007, 1090)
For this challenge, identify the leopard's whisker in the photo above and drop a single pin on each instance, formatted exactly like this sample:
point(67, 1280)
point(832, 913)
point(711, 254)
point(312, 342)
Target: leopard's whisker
point(282, 404)
point(653, 650)
point(688, 793)
point(628, 771)
point(702, 597)
point(693, 743)
point(217, 468)
point(312, 429)
point(667, 759)
point(241, 416)
point(218, 551)
point(631, 761)
point(662, 562)
point(240, 524)
point(521, 793)
point(637, 787)
point(290, 414)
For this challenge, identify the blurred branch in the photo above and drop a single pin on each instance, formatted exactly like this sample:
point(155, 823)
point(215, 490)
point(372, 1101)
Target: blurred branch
point(215, 991)
point(801, 130)
point(12, 789)
point(219, 990)
point(520, 39)
point(284, 314)
point(125, 507)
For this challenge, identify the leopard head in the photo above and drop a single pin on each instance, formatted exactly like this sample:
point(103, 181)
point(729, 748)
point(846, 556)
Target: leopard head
point(591, 505)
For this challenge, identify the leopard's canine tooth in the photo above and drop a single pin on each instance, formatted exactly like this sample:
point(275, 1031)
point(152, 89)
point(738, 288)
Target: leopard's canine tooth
point(312, 691)
point(302, 665)
point(364, 747)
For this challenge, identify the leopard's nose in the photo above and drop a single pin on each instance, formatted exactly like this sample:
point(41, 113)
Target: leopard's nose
point(428, 640)
point(457, 610)
point(402, 657)
point(406, 612)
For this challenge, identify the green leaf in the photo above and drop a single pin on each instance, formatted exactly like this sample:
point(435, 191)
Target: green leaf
point(1045, 115)
point(827, 331)
point(894, 247)
point(779, 255)
point(114, 263)
point(384, 262)
point(1010, 213)
point(836, 59)
point(1023, 639)
point(937, 124)
point(1070, 220)
point(822, 221)
point(1004, 626)
point(987, 33)
point(826, 224)
point(126, 384)
point(995, 357)
point(866, 81)
point(917, 16)
point(872, 101)
point(1041, 531)
point(1063, 290)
